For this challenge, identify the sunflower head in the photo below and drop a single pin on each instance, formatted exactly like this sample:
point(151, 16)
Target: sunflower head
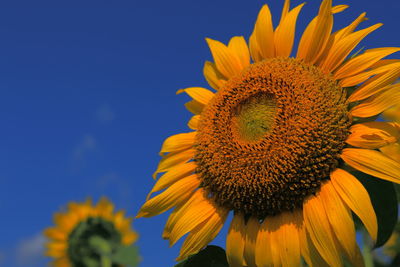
point(272, 133)
point(84, 233)
point(276, 143)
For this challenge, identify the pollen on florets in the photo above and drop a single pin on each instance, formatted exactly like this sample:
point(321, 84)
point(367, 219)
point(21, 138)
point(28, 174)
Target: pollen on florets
point(270, 136)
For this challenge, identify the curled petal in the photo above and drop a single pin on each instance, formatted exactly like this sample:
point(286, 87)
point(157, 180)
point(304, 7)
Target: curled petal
point(373, 135)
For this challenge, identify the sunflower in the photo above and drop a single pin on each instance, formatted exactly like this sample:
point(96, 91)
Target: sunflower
point(276, 143)
point(70, 240)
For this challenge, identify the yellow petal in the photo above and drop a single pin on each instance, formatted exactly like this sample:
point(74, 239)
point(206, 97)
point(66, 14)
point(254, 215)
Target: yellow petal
point(178, 142)
point(392, 114)
point(342, 48)
point(214, 78)
point(194, 107)
point(264, 246)
point(173, 175)
point(201, 95)
point(273, 225)
point(254, 48)
point(357, 259)
point(263, 35)
point(191, 218)
point(373, 163)
point(340, 219)
point(226, 61)
point(119, 218)
point(316, 35)
point(194, 200)
point(318, 227)
point(308, 250)
point(56, 234)
point(194, 122)
point(364, 61)
point(285, 11)
point(392, 151)
point(284, 34)
point(378, 103)
point(337, 37)
point(176, 194)
point(59, 246)
point(235, 241)
point(238, 46)
point(173, 159)
point(377, 70)
point(125, 225)
point(375, 84)
point(62, 262)
point(81, 210)
point(129, 237)
point(349, 29)
point(385, 62)
point(66, 222)
point(252, 228)
point(55, 253)
point(339, 8)
point(104, 207)
point(288, 238)
point(356, 197)
point(373, 135)
point(305, 40)
point(203, 234)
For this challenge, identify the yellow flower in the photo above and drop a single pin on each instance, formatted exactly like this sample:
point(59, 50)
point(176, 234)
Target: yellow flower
point(70, 237)
point(274, 142)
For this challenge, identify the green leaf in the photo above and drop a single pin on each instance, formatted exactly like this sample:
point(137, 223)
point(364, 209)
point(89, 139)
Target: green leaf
point(126, 255)
point(384, 200)
point(100, 245)
point(211, 256)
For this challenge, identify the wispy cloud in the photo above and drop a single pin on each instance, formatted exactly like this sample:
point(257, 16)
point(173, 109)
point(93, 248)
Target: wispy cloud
point(87, 144)
point(105, 114)
point(30, 250)
point(118, 184)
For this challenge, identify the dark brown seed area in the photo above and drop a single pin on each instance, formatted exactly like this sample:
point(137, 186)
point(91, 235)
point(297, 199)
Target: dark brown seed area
point(270, 136)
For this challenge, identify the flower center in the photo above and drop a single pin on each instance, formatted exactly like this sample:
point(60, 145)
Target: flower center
point(254, 117)
point(270, 136)
point(91, 238)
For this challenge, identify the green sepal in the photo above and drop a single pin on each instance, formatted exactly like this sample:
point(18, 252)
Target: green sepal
point(126, 255)
point(211, 256)
point(384, 200)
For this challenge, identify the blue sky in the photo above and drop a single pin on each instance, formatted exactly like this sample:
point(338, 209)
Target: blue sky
point(87, 95)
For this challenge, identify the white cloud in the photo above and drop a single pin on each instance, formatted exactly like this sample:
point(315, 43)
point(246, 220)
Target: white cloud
point(87, 144)
point(105, 114)
point(30, 250)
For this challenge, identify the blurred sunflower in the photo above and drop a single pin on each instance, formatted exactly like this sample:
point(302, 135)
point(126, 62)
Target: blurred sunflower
point(275, 143)
point(83, 229)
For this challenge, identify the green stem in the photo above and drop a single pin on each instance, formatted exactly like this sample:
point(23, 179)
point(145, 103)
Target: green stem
point(366, 250)
point(105, 261)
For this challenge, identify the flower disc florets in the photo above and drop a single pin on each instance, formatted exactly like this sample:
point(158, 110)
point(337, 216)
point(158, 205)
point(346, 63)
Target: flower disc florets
point(270, 136)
